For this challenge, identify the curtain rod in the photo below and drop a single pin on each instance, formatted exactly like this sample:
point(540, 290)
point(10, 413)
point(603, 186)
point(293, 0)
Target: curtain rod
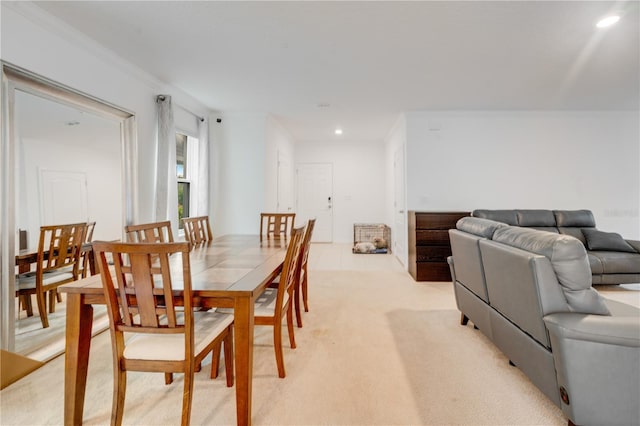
point(163, 97)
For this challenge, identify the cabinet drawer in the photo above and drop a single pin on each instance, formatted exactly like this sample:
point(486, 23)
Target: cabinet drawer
point(438, 220)
point(432, 271)
point(427, 236)
point(433, 253)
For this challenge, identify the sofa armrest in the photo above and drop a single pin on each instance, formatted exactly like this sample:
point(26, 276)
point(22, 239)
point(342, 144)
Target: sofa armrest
point(597, 361)
point(635, 244)
point(611, 330)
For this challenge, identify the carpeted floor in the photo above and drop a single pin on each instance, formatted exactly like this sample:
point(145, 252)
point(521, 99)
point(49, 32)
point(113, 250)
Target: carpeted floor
point(376, 348)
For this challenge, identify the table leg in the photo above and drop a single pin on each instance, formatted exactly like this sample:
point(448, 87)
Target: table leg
point(78, 342)
point(243, 336)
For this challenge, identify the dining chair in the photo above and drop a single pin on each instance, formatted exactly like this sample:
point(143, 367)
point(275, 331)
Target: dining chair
point(275, 303)
point(154, 232)
point(163, 338)
point(302, 276)
point(59, 249)
point(276, 225)
point(86, 252)
point(197, 230)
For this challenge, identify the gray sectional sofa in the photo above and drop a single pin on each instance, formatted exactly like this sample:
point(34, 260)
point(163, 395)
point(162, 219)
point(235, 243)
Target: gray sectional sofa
point(530, 293)
point(613, 260)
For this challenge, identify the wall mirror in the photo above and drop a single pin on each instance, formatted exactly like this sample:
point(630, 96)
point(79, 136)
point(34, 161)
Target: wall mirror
point(67, 157)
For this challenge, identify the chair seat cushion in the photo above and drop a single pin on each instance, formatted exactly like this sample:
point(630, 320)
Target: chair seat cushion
point(170, 347)
point(27, 280)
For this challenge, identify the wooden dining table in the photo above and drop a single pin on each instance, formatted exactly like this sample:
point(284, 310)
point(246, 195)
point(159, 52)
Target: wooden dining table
point(231, 272)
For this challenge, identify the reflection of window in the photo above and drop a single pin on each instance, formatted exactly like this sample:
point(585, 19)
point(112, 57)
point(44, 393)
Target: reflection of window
point(184, 150)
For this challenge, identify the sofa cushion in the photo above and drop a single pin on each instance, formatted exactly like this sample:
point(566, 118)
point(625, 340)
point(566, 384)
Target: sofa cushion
point(569, 260)
point(615, 262)
point(505, 216)
point(574, 218)
point(478, 226)
point(607, 241)
point(536, 218)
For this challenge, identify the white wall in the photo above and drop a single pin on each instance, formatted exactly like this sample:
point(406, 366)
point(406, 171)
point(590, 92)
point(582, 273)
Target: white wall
point(42, 44)
point(358, 182)
point(238, 174)
point(546, 160)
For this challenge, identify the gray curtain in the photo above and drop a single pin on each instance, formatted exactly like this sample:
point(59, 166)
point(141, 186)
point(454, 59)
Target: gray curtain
point(203, 168)
point(166, 180)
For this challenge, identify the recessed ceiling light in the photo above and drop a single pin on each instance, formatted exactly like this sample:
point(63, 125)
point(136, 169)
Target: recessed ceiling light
point(324, 104)
point(72, 123)
point(338, 131)
point(608, 21)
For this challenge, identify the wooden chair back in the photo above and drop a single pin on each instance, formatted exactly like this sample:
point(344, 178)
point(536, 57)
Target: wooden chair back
point(155, 232)
point(197, 230)
point(289, 270)
point(144, 301)
point(306, 244)
point(276, 225)
point(86, 252)
point(302, 274)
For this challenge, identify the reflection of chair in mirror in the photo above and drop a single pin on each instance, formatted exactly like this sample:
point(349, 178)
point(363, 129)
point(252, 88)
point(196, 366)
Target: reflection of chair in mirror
point(276, 225)
point(164, 339)
point(58, 262)
point(155, 232)
point(197, 230)
point(86, 251)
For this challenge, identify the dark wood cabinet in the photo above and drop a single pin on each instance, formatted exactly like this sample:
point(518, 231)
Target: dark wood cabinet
point(429, 244)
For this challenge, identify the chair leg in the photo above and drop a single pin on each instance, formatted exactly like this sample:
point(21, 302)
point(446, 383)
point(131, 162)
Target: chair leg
point(228, 356)
point(42, 308)
point(186, 394)
point(296, 299)
point(292, 337)
point(24, 302)
point(119, 390)
point(58, 297)
point(215, 360)
point(304, 289)
point(53, 295)
point(168, 378)
point(277, 345)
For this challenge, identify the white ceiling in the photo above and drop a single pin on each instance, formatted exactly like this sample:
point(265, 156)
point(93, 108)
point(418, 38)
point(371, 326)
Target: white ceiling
point(372, 60)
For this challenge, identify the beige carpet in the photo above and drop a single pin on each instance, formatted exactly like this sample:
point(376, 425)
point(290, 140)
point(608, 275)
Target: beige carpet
point(376, 349)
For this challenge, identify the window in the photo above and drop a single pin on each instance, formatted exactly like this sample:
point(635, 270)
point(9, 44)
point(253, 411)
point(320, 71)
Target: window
point(185, 152)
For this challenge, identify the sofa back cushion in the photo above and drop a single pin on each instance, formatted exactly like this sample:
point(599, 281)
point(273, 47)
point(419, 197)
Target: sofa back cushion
point(478, 226)
point(569, 261)
point(536, 218)
point(467, 261)
point(571, 222)
point(505, 216)
point(522, 286)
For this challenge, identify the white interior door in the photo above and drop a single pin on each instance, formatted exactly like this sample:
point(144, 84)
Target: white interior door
point(315, 199)
point(285, 184)
point(63, 197)
point(400, 237)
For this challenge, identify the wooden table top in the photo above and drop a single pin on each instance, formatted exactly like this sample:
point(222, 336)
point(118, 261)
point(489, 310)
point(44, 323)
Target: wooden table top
point(230, 264)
